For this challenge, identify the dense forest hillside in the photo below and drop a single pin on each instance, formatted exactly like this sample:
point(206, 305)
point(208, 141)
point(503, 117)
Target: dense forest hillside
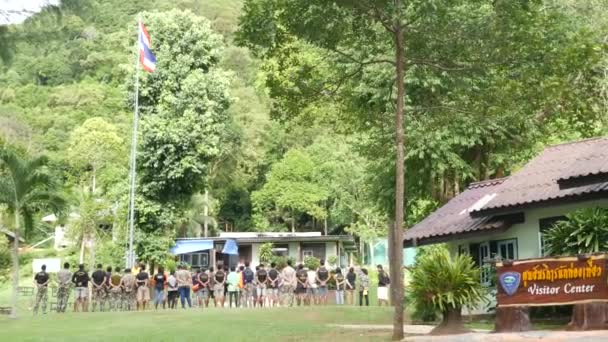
point(259, 115)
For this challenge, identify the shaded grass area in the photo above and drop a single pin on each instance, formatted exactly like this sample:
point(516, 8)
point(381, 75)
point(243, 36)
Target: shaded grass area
point(277, 324)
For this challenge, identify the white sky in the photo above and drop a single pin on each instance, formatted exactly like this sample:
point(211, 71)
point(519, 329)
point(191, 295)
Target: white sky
point(16, 11)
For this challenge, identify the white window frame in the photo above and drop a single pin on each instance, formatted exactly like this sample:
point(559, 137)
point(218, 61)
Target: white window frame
point(506, 243)
point(307, 253)
point(485, 272)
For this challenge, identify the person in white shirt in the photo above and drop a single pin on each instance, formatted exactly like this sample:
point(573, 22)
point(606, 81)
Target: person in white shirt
point(311, 289)
point(172, 290)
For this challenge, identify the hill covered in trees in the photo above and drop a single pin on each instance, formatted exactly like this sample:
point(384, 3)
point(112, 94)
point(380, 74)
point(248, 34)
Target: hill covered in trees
point(284, 125)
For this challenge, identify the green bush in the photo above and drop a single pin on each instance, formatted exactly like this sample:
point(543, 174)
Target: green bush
point(109, 253)
point(266, 253)
point(5, 259)
point(444, 285)
point(312, 263)
point(333, 260)
point(281, 261)
point(170, 265)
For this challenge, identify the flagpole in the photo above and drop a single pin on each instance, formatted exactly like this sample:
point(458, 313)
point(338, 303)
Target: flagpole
point(130, 255)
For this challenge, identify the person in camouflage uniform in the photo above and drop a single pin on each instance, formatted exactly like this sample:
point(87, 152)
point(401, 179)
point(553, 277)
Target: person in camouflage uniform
point(129, 293)
point(99, 291)
point(64, 280)
point(41, 280)
point(115, 290)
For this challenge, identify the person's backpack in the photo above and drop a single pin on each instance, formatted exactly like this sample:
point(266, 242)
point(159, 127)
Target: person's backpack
point(248, 275)
point(241, 283)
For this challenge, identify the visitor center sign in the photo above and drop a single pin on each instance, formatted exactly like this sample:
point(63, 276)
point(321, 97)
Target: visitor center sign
point(552, 281)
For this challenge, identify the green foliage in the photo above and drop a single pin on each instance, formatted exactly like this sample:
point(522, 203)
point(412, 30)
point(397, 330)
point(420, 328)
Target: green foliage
point(266, 252)
point(110, 253)
point(443, 283)
point(583, 231)
point(5, 259)
point(281, 261)
point(290, 189)
point(332, 260)
point(311, 263)
point(153, 248)
point(93, 145)
point(183, 106)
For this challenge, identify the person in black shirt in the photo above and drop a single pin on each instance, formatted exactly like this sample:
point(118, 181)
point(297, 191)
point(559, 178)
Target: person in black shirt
point(41, 280)
point(340, 281)
point(143, 292)
point(107, 285)
point(204, 280)
point(351, 279)
point(218, 289)
point(301, 278)
point(81, 282)
point(261, 279)
point(383, 282)
point(322, 279)
point(273, 285)
point(159, 287)
point(99, 291)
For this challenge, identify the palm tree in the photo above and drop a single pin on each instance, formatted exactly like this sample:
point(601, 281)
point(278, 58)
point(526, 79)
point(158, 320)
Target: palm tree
point(25, 187)
point(196, 218)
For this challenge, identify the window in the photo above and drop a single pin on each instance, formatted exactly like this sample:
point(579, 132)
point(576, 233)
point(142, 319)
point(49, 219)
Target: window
point(484, 255)
point(463, 249)
point(507, 249)
point(196, 259)
point(316, 250)
point(281, 250)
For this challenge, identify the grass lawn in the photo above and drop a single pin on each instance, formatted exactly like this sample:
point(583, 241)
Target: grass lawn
point(276, 324)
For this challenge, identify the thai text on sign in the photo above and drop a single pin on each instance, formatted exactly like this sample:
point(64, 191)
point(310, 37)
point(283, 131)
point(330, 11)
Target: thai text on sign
point(552, 281)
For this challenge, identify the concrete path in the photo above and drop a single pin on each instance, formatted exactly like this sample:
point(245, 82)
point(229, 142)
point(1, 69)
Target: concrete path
point(418, 333)
point(544, 336)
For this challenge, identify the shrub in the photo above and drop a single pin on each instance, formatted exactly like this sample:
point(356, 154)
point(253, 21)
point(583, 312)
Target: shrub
point(584, 231)
point(266, 253)
point(5, 258)
point(281, 261)
point(312, 263)
point(446, 285)
point(333, 260)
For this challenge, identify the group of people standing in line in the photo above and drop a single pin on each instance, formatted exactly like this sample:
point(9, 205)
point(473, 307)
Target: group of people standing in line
point(242, 286)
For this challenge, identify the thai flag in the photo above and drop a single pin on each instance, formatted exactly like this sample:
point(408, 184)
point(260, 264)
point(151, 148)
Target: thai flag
point(146, 57)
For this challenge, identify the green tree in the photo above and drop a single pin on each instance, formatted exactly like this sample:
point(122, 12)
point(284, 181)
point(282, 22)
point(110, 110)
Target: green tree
point(94, 145)
point(290, 190)
point(25, 187)
point(92, 211)
point(447, 285)
point(183, 105)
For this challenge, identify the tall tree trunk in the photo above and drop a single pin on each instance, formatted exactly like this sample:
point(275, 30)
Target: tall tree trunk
point(396, 236)
point(293, 222)
point(206, 213)
point(81, 260)
point(325, 225)
point(15, 257)
point(93, 255)
point(94, 185)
